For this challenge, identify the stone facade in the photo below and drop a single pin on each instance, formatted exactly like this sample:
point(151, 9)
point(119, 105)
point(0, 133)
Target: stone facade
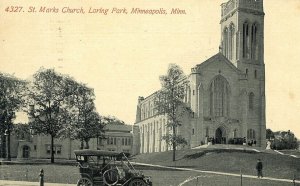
point(226, 92)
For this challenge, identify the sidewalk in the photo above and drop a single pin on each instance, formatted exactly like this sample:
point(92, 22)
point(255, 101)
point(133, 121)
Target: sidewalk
point(24, 183)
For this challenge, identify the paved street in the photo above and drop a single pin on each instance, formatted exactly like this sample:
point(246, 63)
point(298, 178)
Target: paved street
point(220, 173)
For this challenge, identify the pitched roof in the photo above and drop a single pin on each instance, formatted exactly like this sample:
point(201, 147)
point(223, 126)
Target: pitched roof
point(118, 128)
point(217, 57)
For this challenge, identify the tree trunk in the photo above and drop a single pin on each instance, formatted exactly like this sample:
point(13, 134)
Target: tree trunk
point(8, 146)
point(174, 151)
point(3, 146)
point(87, 144)
point(174, 143)
point(52, 149)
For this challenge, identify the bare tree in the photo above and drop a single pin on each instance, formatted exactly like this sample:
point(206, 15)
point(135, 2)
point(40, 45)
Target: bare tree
point(169, 102)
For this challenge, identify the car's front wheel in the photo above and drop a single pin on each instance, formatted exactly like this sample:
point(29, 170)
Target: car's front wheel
point(137, 182)
point(84, 182)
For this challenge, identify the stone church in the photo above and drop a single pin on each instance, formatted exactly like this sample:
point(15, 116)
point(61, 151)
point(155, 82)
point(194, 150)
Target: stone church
point(226, 92)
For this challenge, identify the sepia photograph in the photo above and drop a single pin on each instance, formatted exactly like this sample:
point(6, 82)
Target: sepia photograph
point(149, 93)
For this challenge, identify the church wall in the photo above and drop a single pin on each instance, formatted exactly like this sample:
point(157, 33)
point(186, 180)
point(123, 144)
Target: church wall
point(153, 127)
point(194, 128)
point(245, 77)
point(252, 116)
point(151, 132)
point(205, 78)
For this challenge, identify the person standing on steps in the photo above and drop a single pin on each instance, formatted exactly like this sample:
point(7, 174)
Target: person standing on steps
point(259, 167)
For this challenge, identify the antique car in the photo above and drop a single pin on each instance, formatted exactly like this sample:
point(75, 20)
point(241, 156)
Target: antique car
point(108, 168)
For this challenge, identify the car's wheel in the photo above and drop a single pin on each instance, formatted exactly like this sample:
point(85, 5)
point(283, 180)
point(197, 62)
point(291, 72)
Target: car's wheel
point(84, 182)
point(137, 182)
point(111, 177)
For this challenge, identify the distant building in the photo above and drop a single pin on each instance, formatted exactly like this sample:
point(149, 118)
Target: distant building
point(226, 92)
point(117, 138)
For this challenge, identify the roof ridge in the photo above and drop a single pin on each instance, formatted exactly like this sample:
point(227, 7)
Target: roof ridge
point(218, 55)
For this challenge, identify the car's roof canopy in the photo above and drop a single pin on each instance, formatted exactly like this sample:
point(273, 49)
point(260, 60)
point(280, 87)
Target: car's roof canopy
point(89, 152)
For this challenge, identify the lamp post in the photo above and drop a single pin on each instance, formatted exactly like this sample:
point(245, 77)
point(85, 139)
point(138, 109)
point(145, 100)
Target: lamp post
point(7, 134)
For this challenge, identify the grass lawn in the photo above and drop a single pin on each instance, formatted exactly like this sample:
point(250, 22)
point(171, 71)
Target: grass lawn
point(161, 177)
point(228, 160)
point(221, 160)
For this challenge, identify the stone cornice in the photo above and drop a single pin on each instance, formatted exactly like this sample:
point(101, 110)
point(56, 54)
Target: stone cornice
point(230, 14)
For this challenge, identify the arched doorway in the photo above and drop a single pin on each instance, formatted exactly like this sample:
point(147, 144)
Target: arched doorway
point(220, 136)
point(26, 151)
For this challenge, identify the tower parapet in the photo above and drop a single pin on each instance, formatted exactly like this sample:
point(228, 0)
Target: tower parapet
point(233, 5)
point(138, 109)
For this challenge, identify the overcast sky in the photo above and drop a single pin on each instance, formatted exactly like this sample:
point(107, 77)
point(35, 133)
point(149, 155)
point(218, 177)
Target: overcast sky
point(122, 56)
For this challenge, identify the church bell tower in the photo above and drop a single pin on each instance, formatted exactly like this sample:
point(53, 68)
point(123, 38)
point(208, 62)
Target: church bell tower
point(242, 29)
point(242, 43)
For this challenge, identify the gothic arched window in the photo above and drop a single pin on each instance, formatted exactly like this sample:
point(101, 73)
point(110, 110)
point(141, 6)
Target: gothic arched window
point(186, 95)
point(251, 101)
point(254, 42)
point(225, 40)
point(206, 132)
point(235, 133)
point(246, 37)
point(219, 97)
point(231, 41)
point(189, 95)
point(144, 112)
point(149, 110)
point(251, 134)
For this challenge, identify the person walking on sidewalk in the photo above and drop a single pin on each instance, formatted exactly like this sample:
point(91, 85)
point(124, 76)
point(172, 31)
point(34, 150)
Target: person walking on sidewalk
point(259, 167)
